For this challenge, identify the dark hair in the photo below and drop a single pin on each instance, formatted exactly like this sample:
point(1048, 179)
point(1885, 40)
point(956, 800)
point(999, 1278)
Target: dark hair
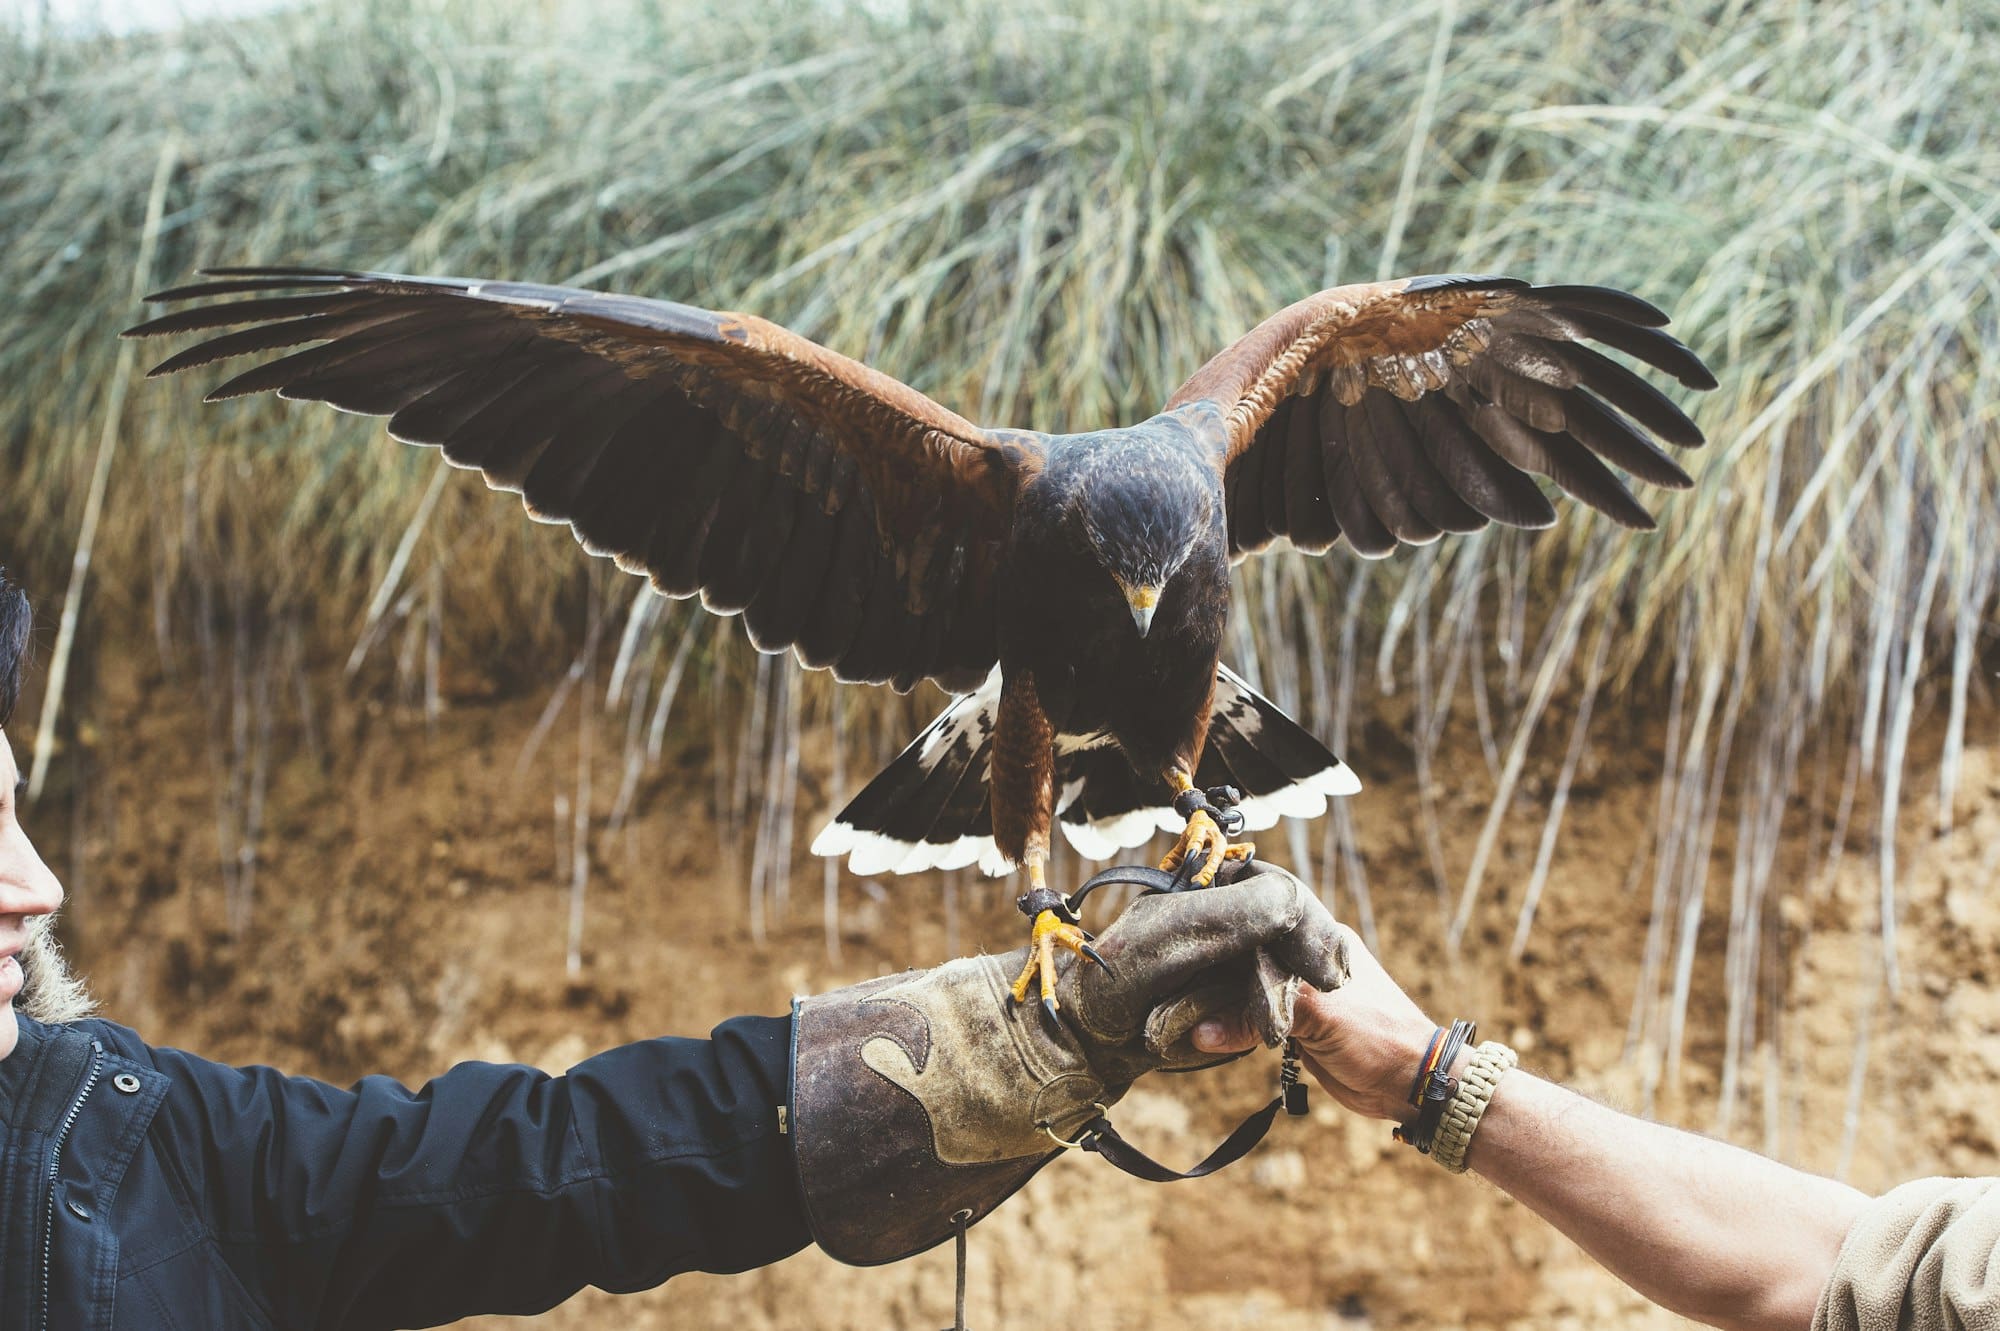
point(15, 620)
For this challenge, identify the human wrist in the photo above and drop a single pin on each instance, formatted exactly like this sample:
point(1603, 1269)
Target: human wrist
point(1369, 1067)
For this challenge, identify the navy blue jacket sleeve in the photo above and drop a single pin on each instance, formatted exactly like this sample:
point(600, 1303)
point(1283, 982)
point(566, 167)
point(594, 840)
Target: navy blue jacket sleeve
point(495, 1189)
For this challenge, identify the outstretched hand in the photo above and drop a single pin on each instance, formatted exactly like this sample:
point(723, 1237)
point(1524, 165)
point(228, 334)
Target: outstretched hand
point(1700, 1227)
point(1362, 1041)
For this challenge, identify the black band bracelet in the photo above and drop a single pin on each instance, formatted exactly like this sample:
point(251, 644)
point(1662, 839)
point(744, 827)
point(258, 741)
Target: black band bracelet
point(1438, 1086)
point(1415, 1096)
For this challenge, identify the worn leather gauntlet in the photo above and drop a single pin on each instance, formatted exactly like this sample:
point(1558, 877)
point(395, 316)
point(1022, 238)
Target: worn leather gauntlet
point(921, 1097)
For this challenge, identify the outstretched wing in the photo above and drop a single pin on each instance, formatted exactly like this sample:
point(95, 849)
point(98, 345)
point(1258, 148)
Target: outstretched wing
point(1397, 411)
point(844, 514)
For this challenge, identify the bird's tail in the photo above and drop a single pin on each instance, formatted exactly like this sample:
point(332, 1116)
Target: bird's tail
point(929, 808)
point(1279, 768)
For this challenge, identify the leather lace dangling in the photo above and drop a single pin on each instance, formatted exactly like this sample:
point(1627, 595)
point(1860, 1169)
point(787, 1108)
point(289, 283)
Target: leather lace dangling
point(959, 1220)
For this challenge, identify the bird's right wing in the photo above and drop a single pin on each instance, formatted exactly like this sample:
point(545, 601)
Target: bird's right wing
point(844, 514)
point(1393, 412)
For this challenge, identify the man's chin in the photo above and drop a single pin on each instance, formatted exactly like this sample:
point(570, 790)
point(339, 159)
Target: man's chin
point(10, 1030)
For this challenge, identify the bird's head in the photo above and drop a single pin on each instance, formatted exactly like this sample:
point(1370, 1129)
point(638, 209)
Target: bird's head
point(1143, 522)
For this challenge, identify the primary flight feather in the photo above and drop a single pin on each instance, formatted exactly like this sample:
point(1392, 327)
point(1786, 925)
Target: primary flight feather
point(1072, 588)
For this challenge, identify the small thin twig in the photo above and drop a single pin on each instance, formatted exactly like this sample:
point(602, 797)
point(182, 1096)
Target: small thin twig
point(579, 858)
point(100, 474)
point(392, 577)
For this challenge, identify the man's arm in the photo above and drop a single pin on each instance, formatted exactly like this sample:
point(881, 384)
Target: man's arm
point(1704, 1229)
point(492, 1188)
point(1699, 1227)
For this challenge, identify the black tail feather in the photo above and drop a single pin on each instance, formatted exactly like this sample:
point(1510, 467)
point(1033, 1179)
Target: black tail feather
point(931, 807)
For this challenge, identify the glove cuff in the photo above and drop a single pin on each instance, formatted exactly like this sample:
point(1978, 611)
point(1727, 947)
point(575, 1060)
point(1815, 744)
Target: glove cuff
point(874, 1185)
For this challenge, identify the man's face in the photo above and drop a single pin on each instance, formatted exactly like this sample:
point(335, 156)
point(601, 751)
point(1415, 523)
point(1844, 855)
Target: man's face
point(27, 889)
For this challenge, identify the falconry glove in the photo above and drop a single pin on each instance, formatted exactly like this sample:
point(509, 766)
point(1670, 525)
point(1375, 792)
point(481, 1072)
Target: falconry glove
point(925, 1099)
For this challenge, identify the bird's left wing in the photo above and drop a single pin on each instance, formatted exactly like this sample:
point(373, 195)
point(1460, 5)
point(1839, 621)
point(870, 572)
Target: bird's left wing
point(843, 513)
point(1396, 411)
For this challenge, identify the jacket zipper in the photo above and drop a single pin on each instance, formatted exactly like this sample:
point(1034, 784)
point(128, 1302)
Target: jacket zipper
point(55, 1164)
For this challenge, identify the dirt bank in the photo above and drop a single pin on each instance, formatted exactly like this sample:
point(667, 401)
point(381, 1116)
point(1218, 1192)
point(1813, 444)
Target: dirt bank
point(408, 912)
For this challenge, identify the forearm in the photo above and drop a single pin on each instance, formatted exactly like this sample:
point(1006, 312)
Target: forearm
point(494, 1188)
point(1707, 1230)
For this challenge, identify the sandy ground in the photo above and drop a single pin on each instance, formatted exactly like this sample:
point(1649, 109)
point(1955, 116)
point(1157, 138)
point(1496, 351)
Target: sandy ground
point(408, 914)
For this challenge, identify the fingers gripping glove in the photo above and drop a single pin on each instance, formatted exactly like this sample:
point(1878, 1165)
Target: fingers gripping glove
point(921, 1096)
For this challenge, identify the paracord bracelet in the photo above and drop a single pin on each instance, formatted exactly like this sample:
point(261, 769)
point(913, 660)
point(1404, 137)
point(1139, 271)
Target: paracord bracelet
point(1483, 1071)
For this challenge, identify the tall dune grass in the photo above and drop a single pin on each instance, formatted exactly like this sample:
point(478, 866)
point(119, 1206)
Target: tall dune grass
point(1048, 215)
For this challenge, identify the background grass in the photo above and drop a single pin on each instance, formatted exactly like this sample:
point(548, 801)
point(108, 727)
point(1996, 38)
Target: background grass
point(1048, 215)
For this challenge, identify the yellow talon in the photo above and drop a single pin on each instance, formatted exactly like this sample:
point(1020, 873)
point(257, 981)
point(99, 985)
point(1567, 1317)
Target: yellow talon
point(1051, 929)
point(1202, 839)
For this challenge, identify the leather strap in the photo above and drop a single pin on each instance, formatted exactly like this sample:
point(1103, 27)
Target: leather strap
point(1435, 1088)
point(1153, 880)
point(1099, 1136)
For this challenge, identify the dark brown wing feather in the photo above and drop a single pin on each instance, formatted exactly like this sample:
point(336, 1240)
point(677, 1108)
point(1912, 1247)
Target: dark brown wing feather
point(1397, 411)
point(846, 515)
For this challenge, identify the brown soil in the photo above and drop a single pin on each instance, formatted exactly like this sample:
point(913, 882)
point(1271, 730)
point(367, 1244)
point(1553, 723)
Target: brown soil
point(408, 914)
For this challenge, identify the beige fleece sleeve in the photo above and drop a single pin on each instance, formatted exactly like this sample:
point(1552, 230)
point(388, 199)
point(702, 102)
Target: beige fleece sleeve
point(1920, 1258)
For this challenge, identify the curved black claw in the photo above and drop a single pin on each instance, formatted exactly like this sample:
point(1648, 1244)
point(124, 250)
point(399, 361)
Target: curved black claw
point(1049, 1006)
point(1191, 867)
point(1098, 957)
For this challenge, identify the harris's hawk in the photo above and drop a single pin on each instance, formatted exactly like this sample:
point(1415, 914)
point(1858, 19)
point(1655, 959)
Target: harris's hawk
point(1073, 588)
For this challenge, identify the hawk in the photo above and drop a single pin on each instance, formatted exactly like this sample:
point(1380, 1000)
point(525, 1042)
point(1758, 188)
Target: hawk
point(1073, 588)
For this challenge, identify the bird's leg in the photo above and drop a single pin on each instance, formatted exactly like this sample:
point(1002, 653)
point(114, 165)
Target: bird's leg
point(1055, 925)
point(1205, 840)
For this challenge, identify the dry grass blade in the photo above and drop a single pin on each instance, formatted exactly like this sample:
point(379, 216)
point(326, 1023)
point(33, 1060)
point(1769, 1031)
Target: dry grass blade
point(100, 476)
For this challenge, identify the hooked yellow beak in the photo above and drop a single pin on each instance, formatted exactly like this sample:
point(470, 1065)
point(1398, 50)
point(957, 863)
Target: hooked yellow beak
point(1144, 601)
